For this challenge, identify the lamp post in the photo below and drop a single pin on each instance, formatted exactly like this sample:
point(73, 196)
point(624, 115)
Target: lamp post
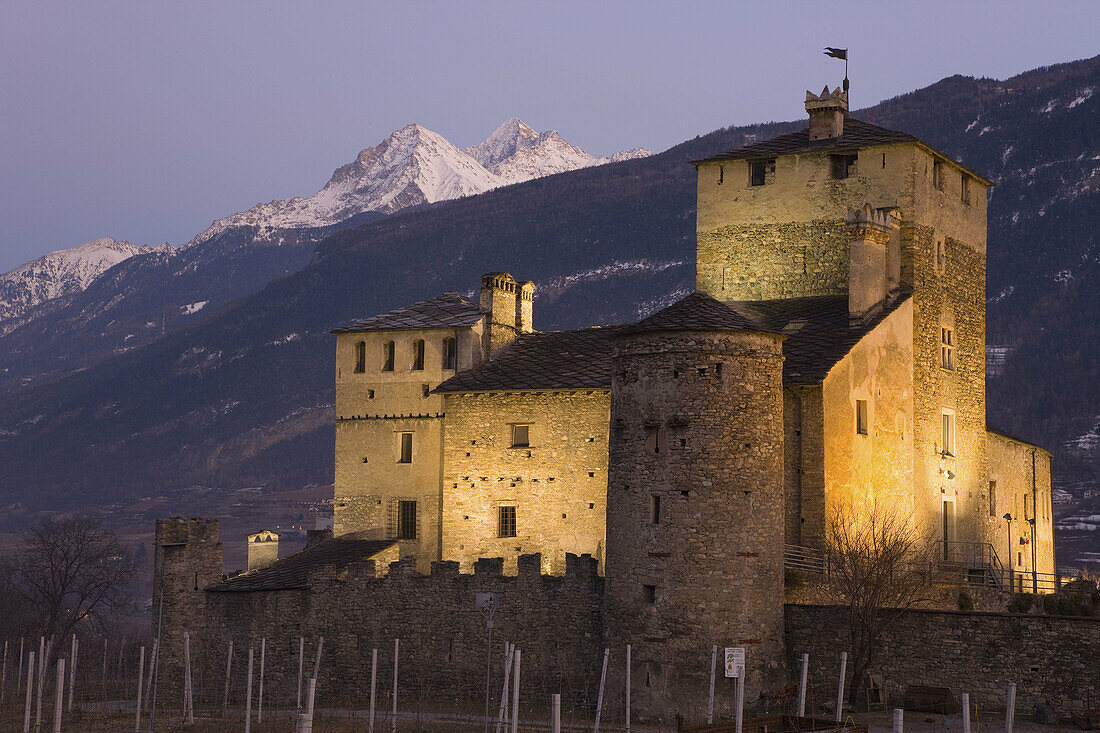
point(488, 603)
point(1008, 549)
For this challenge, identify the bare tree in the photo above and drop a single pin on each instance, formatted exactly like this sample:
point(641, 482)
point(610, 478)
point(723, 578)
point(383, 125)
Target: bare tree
point(880, 567)
point(68, 572)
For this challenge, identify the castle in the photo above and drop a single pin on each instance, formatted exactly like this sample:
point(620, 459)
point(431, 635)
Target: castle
point(831, 362)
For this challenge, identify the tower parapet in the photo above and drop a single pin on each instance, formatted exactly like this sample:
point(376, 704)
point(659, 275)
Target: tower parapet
point(874, 258)
point(827, 112)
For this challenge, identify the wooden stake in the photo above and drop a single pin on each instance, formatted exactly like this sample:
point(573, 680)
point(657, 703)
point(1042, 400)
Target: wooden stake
point(1010, 707)
point(515, 694)
point(599, 697)
point(248, 696)
point(840, 687)
point(42, 662)
point(555, 713)
point(305, 718)
point(72, 671)
point(301, 660)
point(393, 720)
point(30, 688)
point(710, 697)
point(966, 712)
point(188, 700)
point(740, 700)
point(228, 671)
point(59, 695)
point(19, 676)
point(627, 688)
point(509, 654)
point(802, 686)
point(141, 675)
point(899, 720)
point(373, 681)
point(317, 661)
point(263, 652)
point(4, 674)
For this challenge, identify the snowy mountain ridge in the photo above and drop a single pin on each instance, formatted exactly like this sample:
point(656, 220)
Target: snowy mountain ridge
point(62, 272)
point(415, 166)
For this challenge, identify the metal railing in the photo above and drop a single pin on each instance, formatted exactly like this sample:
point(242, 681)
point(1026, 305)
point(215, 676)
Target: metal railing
point(806, 559)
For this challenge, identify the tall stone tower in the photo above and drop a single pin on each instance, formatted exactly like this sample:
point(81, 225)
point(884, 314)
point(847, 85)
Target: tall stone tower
point(695, 503)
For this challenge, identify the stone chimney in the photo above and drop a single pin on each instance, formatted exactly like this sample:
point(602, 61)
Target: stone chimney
point(872, 237)
point(827, 113)
point(525, 301)
point(501, 305)
point(263, 549)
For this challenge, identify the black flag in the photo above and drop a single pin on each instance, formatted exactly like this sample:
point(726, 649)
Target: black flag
point(837, 53)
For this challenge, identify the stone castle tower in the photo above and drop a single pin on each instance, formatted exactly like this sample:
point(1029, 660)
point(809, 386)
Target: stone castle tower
point(695, 501)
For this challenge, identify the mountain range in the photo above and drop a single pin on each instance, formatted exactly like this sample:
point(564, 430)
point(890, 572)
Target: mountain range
point(239, 392)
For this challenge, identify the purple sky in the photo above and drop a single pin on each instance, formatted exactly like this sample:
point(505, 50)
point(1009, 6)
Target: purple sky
point(145, 121)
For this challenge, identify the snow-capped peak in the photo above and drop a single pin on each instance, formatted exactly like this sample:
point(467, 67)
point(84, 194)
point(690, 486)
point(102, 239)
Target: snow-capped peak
point(506, 141)
point(61, 272)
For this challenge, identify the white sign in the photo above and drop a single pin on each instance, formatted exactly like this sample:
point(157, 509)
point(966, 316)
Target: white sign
point(735, 661)
point(487, 600)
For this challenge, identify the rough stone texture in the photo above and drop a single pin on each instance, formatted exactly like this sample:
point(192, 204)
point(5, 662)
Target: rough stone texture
point(713, 564)
point(1021, 476)
point(558, 483)
point(555, 620)
point(1051, 659)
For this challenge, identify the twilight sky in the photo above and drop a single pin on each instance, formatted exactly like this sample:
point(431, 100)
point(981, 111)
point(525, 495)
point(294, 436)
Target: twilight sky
point(147, 120)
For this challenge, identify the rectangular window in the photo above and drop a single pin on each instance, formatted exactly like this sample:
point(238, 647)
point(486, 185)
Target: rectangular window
point(861, 417)
point(937, 175)
point(947, 433)
point(506, 521)
point(947, 348)
point(406, 448)
point(387, 356)
point(760, 171)
point(654, 509)
point(965, 190)
point(360, 357)
point(418, 355)
point(649, 593)
point(992, 498)
point(843, 165)
point(406, 520)
point(450, 353)
point(654, 440)
point(521, 436)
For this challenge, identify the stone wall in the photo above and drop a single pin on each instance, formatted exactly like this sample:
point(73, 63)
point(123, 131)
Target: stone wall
point(1020, 481)
point(557, 483)
point(555, 620)
point(1053, 660)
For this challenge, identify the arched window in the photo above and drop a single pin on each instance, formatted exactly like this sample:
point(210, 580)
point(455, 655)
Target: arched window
point(418, 355)
point(360, 357)
point(387, 356)
point(450, 353)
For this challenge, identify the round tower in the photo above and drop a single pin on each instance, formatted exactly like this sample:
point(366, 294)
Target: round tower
point(695, 506)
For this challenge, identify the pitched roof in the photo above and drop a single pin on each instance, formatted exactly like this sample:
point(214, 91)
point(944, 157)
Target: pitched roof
point(555, 360)
point(292, 573)
point(818, 329)
point(449, 310)
point(818, 334)
point(857, 134)
point(697, 312)
point(1015, 438)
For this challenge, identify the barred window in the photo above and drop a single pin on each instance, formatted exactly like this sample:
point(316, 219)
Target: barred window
point(506, 521)
point(406, 520)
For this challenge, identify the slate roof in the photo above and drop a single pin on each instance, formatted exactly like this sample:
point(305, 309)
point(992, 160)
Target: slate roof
point(555, 360)
point(292, 573)
point(857, 134)
point(582, 359)
point(1016, 438)
point(449, 310)
point(697, 312)
point(825, 337)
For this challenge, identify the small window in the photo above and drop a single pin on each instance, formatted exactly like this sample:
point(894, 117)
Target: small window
point(649, 593)
point(843, 165)
point(759, 172)
point(506, 521)
point(370, 394)
point(387, 356)
point(654, 509)
point(406, 520)
point(450, 353)
point(426, 389)
point(947, 433)
point(947, 348)
point(964, 191)
point(721, 174)
point(418, 355)
point(993, 498)
point(654, 440)
point(406, 448)
point(360, 357)
point(861, 417)
point(937, 175)
point(521, 436)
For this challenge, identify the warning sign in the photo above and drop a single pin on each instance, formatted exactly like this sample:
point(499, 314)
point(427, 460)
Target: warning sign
point(735, 661)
